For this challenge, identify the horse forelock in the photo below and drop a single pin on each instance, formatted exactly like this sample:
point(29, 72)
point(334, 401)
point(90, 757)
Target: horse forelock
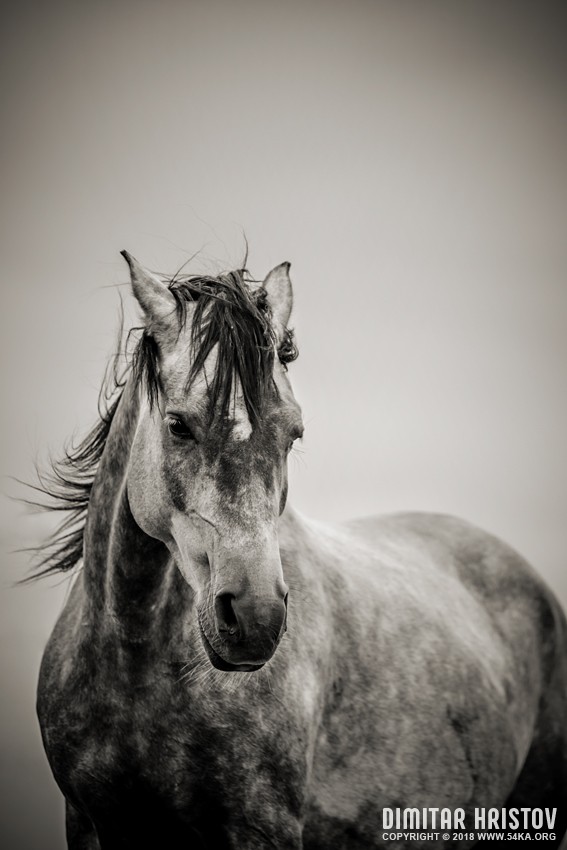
point(230, 316)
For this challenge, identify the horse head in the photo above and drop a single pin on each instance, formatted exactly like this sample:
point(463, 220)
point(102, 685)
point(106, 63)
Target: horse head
point(207, 472)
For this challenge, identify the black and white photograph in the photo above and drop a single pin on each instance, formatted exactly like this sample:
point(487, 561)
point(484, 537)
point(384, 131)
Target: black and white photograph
point(284, 425)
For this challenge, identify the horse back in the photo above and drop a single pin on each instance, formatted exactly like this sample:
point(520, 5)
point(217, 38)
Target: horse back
point(457, 651)
point(490, 572)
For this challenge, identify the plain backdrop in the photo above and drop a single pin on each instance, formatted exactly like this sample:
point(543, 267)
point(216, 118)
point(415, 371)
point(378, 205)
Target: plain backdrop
point(408, 158)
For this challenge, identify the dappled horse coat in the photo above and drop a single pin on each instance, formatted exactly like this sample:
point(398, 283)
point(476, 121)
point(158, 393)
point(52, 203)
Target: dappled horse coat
point(226, 672)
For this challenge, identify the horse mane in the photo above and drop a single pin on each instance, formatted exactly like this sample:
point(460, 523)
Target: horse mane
point(228, 314)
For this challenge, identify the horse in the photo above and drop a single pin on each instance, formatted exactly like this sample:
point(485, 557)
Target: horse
point(227, 673)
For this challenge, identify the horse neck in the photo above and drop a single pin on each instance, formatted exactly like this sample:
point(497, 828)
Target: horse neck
point(126, 573)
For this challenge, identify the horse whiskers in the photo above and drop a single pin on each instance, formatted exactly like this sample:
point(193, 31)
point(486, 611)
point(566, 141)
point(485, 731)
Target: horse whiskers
point(190, 673)
point(199, 672)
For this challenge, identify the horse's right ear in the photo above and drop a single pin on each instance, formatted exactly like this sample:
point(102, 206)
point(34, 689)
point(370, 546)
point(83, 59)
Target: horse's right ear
point(151, 293)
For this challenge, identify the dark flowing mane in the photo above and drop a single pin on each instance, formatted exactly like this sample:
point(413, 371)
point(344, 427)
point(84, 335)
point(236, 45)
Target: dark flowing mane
point(229, 314)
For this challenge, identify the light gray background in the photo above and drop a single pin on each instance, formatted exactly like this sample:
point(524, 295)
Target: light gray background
point(407, 157)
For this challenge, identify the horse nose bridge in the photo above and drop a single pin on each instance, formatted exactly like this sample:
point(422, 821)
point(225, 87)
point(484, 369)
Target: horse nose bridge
point(248, 578)
point(247, 562)
point(253, 496)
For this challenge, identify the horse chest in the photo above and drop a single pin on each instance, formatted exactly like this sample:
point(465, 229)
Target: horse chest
point(102, 737)
point(115, 747)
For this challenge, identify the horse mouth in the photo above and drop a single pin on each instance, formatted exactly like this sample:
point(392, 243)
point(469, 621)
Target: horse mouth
point(220, 663)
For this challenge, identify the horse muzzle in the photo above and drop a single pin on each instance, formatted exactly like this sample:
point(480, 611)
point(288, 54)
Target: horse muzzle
point(246, 631)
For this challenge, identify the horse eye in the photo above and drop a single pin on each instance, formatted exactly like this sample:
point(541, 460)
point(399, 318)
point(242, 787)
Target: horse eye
point(178, 428)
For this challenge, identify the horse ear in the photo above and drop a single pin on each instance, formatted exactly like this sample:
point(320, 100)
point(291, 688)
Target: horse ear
point(151, 293)
point(280, 297)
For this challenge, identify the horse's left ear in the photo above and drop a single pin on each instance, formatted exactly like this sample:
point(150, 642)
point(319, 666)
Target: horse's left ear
point(280, 297)
point(151, 293)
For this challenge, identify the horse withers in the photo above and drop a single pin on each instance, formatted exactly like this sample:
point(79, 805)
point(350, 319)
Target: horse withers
point(229, 674)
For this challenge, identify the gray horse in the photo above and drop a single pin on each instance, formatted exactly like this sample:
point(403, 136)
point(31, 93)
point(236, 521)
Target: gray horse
point(229, 674)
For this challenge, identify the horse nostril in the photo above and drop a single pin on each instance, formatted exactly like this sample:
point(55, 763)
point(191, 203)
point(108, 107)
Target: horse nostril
point(227, 622)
